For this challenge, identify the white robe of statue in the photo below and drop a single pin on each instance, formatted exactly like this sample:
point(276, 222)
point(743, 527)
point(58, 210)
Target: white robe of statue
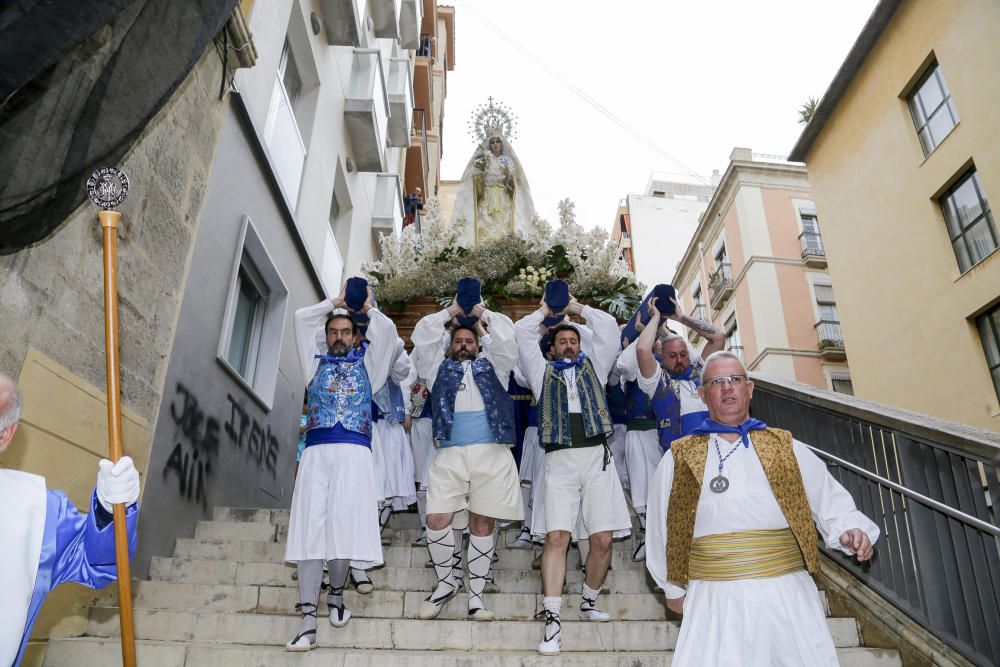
point(493, 198)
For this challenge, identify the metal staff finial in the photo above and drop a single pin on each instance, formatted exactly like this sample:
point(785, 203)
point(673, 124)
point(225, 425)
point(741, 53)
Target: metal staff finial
point(108, 188)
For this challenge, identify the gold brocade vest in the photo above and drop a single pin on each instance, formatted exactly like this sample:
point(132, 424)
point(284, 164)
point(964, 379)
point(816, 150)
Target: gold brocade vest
point(774, 448)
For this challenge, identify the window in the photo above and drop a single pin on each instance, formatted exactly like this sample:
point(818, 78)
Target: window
point(828, 327)
point(932, 109)
point(841, 383)
point(733, 342)
point(282, 130)
point(248, 321)
point(698, 311)
point(250, 341)
point(967, 214)
point(989, 331)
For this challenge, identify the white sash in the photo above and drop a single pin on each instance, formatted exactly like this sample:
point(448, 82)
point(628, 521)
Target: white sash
point(22, 527)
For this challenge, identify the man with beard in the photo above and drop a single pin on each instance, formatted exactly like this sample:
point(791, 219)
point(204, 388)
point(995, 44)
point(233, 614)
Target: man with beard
point(473, 468)
point(334, 515)
point(574, 423)
point(668, 390)
point(733, 514)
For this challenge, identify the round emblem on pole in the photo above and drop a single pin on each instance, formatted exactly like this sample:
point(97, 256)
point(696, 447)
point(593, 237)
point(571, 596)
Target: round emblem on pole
point(107, 188)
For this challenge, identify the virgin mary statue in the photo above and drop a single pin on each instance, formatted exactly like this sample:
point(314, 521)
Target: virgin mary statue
point(493, 197)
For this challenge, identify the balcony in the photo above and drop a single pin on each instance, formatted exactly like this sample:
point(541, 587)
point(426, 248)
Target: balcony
point(385, 16)
point(720, 284)
point(387, 207)
point(417, 158)
point(697, 313)
point(400, 101)
point(411, 15)
point(736, 349)
point(343, 21)
point(284, 143)
point(625, 241)
point(366, 111)
point(831, 340)
point(813, 251)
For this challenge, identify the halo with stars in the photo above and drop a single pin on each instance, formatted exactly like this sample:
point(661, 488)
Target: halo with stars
point(491, 120)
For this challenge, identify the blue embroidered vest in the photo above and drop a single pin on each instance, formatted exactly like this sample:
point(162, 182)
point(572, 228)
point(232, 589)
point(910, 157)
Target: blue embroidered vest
point(387, 403)
point(553, 406)
point(498, 404)
point(340, 394)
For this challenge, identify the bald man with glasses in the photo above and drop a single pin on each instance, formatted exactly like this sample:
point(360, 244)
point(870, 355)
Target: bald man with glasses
point(732, 518)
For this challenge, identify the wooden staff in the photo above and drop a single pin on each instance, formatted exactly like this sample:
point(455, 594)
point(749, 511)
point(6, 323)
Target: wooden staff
point(107, 193)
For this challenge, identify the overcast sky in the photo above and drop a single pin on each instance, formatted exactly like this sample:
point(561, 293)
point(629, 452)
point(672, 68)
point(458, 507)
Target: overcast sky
point(694, 78)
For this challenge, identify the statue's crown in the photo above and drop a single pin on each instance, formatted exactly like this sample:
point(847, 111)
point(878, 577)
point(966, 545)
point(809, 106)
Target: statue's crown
point(493, 119)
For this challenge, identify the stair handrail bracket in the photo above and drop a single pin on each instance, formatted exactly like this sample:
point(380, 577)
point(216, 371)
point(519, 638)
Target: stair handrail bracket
point(931, 485)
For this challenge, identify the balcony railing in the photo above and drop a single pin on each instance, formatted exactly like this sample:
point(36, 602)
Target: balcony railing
point(411, 15)
point(366, 110)
point(387, 206)
point(385, 17)
point(812, 244)
point(400, 91)
point(284, 143)
point(721, 284)
point(417, 158)
point(830, 334)
point(931, 487)
point(736, 349)
point(342, 21)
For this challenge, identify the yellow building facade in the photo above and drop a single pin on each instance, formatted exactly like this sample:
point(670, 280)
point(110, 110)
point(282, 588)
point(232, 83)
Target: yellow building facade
point(904, 162)
point(756, 269)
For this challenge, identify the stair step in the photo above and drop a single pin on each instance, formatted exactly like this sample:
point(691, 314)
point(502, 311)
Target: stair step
point(279, 517)
point(379, 604)
point(97, 651)
point(227, 531)
point(409, 634)
point(395, 556)
point(207, 571)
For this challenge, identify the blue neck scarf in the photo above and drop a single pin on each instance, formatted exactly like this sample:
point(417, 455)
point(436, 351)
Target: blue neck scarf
point(563, 364)
point(710, 426)
point(352, 356)
point(688, 374)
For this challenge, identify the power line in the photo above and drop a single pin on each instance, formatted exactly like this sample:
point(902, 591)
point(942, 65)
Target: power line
point(581, 94)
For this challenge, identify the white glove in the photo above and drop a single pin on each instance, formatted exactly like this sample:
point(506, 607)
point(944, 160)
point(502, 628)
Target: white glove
point(117, 482)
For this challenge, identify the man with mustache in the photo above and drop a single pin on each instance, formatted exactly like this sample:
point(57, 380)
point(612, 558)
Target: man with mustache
point(334, 514)
point(473, 420)
point(665, 389)
point(732, 513)
point(574, 423)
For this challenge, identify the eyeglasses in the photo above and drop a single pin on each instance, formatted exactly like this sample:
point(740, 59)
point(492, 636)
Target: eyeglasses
point(720, 380)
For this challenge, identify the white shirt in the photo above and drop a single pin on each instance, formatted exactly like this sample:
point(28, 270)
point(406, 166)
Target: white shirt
point(310, 340)
point(598, 340)
point(431, 340)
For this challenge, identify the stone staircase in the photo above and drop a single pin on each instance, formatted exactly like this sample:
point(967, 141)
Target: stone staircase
point(226, 599)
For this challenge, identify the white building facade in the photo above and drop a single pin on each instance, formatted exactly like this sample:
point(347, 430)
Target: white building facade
point(654, 228)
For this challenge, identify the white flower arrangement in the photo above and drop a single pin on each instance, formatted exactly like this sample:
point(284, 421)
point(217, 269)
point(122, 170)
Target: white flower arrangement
point(429, 264)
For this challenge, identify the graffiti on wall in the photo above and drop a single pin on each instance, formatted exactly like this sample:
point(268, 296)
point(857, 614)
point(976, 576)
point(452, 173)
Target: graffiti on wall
point(200, 437)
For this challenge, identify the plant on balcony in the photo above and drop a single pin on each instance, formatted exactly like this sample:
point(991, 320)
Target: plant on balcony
point(428, 264)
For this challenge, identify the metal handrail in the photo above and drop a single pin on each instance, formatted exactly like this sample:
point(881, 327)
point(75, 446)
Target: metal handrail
point(978, 524)
point(812, 243)
point(932, 488)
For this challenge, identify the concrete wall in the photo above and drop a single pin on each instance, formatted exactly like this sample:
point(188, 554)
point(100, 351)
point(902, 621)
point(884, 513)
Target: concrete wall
point(661, 227)
point(907, 309)
point(52, 337)
point(216, 442)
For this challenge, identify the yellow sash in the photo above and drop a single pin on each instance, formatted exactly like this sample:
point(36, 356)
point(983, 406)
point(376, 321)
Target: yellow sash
point(749, 554)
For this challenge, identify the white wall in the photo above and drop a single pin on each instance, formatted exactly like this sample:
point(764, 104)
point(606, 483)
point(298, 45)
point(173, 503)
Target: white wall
point(662, 228)
point(328, 70)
